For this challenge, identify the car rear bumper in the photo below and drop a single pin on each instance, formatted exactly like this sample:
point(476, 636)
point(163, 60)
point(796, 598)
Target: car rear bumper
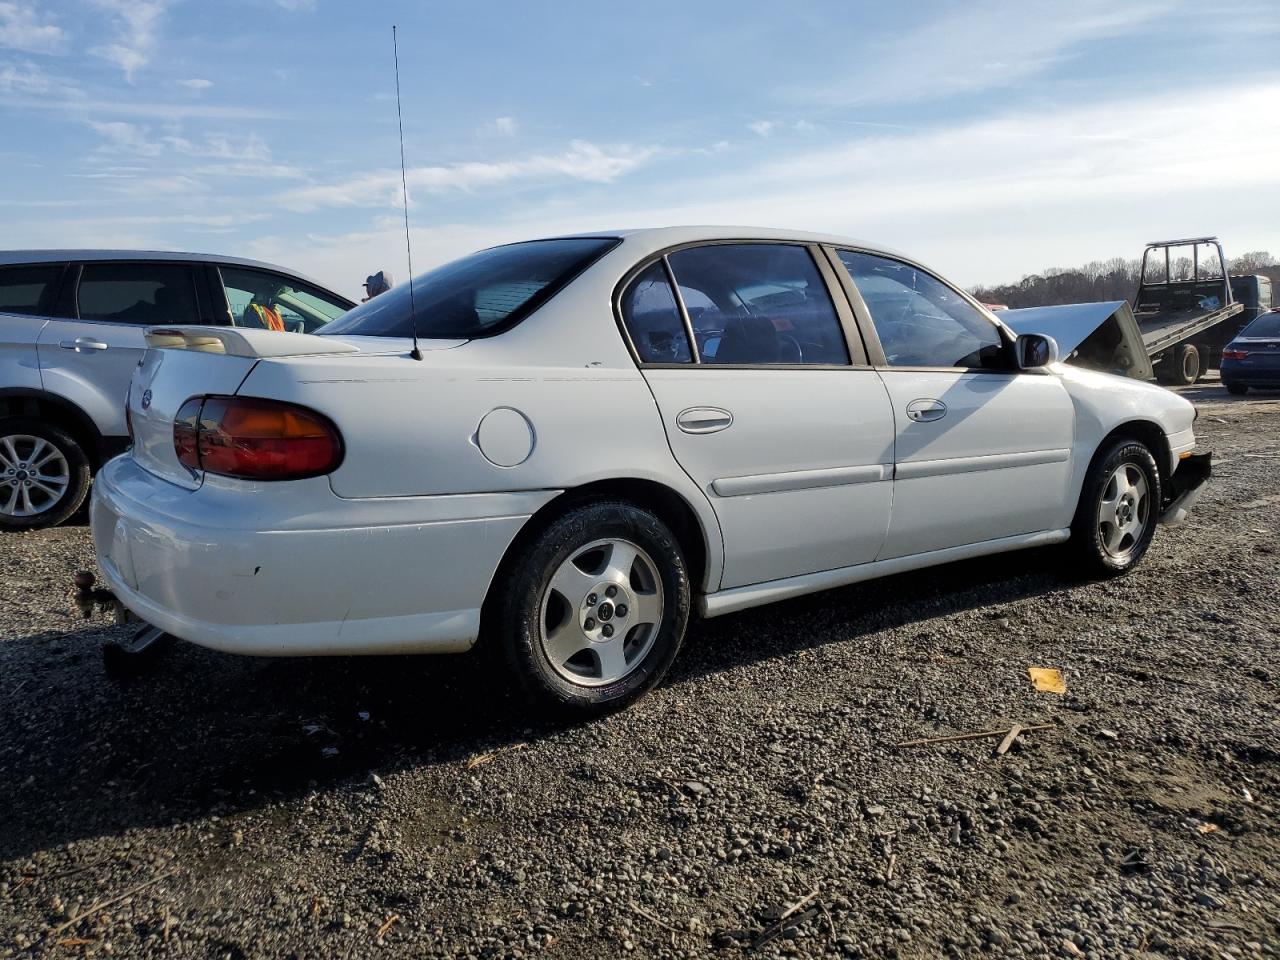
point(1250, 374)
point(1186, 484)
point(307, 575)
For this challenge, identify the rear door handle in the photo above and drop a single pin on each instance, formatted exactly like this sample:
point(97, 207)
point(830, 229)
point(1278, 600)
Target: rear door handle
point(703, 419)
point(82, 344)
point(925, 410)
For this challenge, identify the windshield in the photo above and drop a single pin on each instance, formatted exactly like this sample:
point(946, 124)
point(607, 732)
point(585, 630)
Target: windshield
point(478, 295)
point(1267, 325)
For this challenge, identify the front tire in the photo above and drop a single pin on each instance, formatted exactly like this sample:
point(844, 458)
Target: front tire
point(1118, 510)
point(591, 612)
point(44, 474)
point(1239, 389)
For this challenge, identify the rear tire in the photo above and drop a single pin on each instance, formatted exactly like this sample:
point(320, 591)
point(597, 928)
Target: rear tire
point(1239, 389)
point(1181, 366)
point(44, 474)
point(1119, 507)
point(591, 612)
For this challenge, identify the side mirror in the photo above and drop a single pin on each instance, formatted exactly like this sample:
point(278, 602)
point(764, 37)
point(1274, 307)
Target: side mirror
point(1036, 350)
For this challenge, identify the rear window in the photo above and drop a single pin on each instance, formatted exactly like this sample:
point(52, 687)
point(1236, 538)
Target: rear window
point(1267, 325)
point(478, 295)
point(23, 289)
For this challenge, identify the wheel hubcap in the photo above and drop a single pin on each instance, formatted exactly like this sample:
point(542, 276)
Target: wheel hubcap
point(601, 612)
point(1123, 511)
point(34, 475)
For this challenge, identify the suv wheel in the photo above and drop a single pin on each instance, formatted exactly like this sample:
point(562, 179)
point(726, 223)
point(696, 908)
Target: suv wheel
point(591, 613)
point(1118, 510)
point(44, 475)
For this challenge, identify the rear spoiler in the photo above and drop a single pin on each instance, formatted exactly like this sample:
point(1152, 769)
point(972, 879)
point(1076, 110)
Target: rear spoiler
point(243, 342)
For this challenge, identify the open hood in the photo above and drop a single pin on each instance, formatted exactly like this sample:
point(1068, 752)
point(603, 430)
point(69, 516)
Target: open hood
point(1099, 336)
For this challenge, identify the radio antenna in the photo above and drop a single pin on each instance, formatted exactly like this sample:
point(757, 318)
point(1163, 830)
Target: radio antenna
point(404, 193)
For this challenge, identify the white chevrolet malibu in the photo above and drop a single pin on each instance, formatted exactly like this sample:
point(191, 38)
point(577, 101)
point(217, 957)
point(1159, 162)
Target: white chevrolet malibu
point(566, 447)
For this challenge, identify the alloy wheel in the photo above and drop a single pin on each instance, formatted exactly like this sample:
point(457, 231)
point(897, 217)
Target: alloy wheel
point(1124, 511)
point(601, 612)
point(34, 475)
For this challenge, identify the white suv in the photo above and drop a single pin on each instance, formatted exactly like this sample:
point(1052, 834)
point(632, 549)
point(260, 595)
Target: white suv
point(71, 333)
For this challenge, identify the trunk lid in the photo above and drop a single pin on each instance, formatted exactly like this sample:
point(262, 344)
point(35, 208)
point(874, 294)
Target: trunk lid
point(182, 362)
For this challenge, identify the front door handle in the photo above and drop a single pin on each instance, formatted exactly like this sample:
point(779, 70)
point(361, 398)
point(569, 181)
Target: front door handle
point(923, 411)
point(82, 344)
point(703, 419)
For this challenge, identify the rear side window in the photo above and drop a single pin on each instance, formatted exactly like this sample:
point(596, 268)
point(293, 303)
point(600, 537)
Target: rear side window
point(653, 319)
point(274, 302)
point(478, 295)
point(27, 290)
point(758, 303)
point(138, 293)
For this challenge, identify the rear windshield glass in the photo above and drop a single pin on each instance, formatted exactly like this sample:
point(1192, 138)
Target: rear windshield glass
point(1267, 325)
point(477, 295)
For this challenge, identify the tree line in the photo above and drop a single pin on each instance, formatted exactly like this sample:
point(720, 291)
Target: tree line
point(1114, 279)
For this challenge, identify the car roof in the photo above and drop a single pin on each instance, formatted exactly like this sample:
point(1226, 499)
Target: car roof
point(15, 257)
point(658, 238)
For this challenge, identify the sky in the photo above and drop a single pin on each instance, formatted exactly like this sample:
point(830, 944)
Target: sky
point(988, 138)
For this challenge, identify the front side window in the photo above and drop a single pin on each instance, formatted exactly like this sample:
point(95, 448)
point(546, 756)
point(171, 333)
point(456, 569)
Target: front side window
point(477, 295)
point(25, 289)
point(758, 303)
point(920, 320)
point(274, 302)
point(653, 319)
point(137, 293)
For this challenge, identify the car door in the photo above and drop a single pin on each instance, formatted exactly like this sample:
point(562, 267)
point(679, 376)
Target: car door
point(88, 353)
point(983, 450)
point(27, 293)
point(789, 433)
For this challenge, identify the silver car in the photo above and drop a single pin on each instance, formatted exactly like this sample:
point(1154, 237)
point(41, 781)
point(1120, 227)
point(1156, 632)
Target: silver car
point(71, 333)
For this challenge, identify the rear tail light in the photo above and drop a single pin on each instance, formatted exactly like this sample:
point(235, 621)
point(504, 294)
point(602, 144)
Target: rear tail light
point(1234, 354)
point(255, 439)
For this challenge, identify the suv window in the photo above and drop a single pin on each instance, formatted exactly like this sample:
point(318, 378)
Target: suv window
point(653, 319)
point(139, 293)
point(256, 298)
point(24, 289)
point(920, 320)
point(478, 295)
point(758, 303)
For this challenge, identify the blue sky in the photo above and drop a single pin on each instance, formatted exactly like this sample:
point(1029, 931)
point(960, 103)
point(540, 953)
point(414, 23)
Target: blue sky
point(990, 139)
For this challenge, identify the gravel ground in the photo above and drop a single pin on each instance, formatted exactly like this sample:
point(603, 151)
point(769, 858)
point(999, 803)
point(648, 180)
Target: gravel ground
point(228, 807)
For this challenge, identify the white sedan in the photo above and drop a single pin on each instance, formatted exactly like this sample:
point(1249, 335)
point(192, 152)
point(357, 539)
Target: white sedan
point(567, 447)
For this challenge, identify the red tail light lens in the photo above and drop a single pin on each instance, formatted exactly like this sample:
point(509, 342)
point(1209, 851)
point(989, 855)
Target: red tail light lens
point(255, 439)
point(1234, 354)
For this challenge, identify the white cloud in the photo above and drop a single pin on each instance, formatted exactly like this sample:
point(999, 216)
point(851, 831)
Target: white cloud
point(297, 6)
point(582, 161)
point(136, 25)
point(761, 128)
point(984, 44)
point(501, 127)
point(247, 156)
point(196, 83)
point(25, 79)
point(22, 27)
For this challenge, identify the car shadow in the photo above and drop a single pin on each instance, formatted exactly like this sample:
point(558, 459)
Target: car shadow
point(202, 733)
